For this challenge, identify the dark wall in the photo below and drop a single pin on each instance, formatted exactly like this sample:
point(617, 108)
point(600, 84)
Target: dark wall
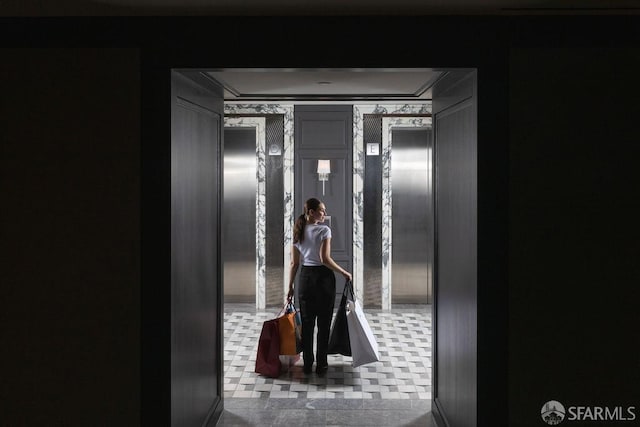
point(70, 236)
point(70, 141)
point(573, 233)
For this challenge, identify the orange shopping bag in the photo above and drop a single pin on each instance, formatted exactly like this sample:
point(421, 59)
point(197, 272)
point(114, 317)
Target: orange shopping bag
point(287, 329)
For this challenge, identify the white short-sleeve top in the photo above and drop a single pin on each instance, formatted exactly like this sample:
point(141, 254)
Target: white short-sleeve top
point(309, 248)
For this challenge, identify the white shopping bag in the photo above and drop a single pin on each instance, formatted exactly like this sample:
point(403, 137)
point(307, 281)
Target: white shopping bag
point(364, 347)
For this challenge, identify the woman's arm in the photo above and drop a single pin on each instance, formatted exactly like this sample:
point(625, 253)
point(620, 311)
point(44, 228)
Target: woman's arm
point(293, 268)
point(325, 257)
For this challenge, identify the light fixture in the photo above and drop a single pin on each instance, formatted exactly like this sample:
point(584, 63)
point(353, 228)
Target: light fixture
point(324, 169)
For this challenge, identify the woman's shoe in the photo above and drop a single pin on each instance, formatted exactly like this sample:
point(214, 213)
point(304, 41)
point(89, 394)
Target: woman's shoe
point(321, 370)
point(307, 369)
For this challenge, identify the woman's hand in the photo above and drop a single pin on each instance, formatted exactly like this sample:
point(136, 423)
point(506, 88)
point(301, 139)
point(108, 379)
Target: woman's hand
point(347, 275)
point(290, 294)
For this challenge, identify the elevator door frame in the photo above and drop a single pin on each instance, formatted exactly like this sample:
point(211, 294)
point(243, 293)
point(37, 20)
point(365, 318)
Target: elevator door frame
point(389, 124)
point(359, 153)
point(285, 109)
point(257, 123)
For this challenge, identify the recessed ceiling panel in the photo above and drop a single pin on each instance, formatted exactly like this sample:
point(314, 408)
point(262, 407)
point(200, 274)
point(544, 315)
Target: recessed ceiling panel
point(255, 84)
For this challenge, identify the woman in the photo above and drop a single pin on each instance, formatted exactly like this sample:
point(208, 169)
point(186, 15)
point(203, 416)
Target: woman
point(316, 296)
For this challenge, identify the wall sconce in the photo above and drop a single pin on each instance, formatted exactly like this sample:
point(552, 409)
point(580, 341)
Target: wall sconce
point(324, 169)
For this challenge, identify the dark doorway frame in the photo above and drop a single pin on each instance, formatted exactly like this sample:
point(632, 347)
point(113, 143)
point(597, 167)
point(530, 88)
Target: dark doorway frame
point(454, 51)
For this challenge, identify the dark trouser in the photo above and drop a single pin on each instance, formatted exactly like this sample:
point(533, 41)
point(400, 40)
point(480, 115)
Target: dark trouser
point(317, 295)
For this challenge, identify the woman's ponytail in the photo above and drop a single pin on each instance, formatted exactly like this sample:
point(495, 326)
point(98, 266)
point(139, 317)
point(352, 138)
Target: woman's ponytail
point(298, 228)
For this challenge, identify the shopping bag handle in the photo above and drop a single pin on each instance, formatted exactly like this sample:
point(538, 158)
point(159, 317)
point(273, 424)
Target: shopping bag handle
point(348, 287)
point(288, 302)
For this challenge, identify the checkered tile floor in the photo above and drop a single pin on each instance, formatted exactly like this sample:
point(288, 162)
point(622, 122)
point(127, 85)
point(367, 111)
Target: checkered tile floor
point(403, 372)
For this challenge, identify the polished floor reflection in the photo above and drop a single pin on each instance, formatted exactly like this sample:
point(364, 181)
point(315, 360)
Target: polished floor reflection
point(395, 391)
point(326, 412)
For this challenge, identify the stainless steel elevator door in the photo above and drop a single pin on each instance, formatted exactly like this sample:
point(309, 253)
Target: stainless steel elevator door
point(412, 215)
point(239, 215)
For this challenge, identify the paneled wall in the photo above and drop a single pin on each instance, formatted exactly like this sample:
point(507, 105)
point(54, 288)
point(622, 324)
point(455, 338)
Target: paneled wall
point(325, 132)
point(196, 277)
point(456, 324)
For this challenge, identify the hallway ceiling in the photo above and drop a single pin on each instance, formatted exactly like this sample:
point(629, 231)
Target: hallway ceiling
point(271, 84)
point(316, 7)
